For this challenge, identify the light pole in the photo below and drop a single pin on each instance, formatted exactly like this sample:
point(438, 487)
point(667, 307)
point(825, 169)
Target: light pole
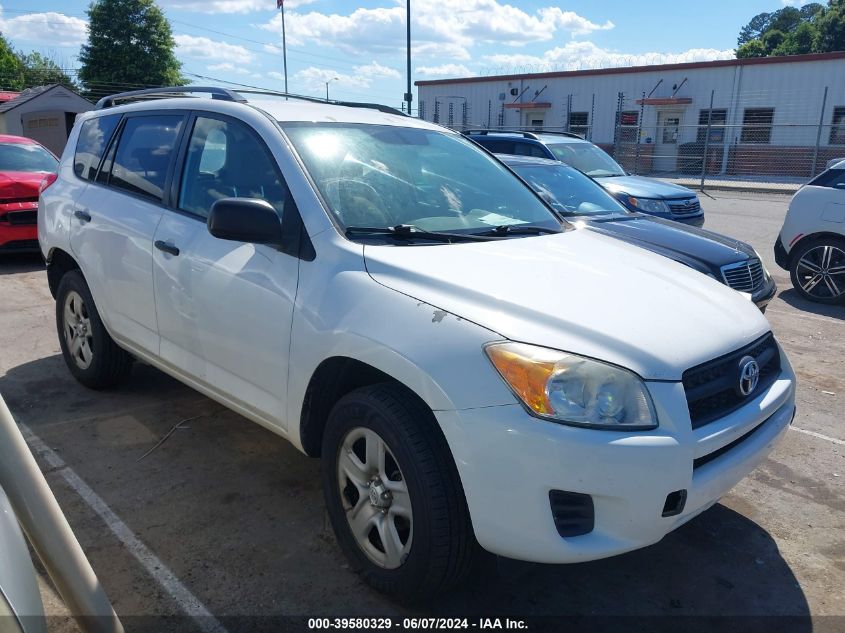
point(408, 95)
point(327, 86)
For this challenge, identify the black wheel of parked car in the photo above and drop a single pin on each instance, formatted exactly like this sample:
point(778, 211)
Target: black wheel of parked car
point(393, 494)
point(92, 356)
point(817, 270)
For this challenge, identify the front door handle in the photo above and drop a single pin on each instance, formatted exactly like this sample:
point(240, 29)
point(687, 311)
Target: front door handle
point(81, 215)
point(167, 248)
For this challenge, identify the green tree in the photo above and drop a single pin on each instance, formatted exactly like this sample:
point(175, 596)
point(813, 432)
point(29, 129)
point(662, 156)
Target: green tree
point(129, 44)
point(39, 70)
point(788, 31)
point(830, 28)
point(799, 42)
point(754, 29)
point(11, 69)
point(752, 48)
point(772, 39)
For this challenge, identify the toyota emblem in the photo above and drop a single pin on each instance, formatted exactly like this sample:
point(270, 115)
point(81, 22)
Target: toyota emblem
point(749, 375)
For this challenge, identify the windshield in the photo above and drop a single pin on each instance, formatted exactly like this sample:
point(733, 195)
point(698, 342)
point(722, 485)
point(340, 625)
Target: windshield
point(26, 157)
point(569, 191)
point(384, 176)
point(587, 158)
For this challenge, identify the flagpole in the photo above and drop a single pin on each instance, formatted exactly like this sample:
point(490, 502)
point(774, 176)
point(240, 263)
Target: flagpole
point(284, 44)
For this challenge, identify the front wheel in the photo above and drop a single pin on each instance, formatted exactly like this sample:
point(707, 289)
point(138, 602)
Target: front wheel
point(393, 494)
point(818, 270)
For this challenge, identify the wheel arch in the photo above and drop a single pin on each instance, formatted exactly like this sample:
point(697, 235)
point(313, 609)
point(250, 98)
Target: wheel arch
point(59, 262)
point(808, 239)
point(333, 378)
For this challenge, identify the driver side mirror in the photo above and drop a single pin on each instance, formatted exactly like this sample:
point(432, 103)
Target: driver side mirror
point(249, 220)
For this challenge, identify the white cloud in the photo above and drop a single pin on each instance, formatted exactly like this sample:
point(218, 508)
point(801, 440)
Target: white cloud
point(582, 55)
point(229, 6)
point(445, 70)
point(45, 29)
point(205, 48)
point(314, 79)
point(441, 28)
point(229, 68)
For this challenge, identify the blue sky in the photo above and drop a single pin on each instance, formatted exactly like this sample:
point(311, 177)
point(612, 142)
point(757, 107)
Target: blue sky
point(362, 44)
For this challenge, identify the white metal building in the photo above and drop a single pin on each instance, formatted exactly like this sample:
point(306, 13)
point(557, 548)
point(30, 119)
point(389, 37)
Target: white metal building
point(769, 115)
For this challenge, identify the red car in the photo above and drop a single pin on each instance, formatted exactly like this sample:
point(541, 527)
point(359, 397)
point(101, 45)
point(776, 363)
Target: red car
point(24, 164)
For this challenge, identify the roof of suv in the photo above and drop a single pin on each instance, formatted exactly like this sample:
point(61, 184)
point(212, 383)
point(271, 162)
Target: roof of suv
point(542, 137)
point(512, 159)
point(276, 107)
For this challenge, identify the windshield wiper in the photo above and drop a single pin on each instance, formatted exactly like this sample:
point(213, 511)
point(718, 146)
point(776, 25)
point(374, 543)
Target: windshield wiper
point(409, 231)
point(518, 229)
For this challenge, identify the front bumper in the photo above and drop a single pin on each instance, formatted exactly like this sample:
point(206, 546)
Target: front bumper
point(509, 461)
point(762, 297)
point(781, 256)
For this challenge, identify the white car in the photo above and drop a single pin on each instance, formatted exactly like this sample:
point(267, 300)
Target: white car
point(385, 294)
point(811, 244)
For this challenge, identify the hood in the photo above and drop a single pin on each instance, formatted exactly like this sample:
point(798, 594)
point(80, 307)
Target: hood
point(581, 292)
point(20, 184)
point(703, 250)
point(640, 187)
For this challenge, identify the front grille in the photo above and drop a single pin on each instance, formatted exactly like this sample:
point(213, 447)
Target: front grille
point(713, 388)
point(744, 276)
point(687, 206)
point(20, 218)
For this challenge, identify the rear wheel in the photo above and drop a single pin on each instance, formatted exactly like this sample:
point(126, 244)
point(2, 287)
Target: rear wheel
point(818, 270)
point(393, 494)
point(92, 356)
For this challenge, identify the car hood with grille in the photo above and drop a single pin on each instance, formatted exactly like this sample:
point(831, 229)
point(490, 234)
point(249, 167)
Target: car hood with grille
point(580, 292)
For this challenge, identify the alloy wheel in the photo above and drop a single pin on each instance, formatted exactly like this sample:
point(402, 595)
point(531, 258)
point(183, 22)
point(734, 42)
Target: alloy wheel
point(375, 498)
point(821, 272)
point(77, 330)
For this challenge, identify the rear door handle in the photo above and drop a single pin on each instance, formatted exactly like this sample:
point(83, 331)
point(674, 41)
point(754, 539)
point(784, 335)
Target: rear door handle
point(167, 248)
point(84, 216)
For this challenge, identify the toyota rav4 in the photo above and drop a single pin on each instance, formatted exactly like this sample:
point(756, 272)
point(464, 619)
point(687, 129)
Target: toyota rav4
point(473, 369)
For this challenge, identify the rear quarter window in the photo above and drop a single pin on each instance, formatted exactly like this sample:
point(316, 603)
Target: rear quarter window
point(94, 137)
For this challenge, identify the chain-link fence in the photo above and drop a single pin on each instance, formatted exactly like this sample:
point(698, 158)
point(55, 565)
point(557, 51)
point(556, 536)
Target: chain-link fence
point(765, 140)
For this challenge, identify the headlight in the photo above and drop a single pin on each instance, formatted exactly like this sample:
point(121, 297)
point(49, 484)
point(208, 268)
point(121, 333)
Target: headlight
point(573, 389)
point(648, 206)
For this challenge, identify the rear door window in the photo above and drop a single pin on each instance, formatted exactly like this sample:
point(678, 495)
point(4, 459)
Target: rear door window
point(94, 137)
point(144, 152)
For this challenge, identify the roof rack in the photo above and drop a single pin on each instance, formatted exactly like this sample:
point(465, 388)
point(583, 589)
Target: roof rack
point(226, 94)
point(223, 94)
point(523, 133)
point(348, 104)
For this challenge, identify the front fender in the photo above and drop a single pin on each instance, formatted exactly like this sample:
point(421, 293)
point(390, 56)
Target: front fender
point(436, 354)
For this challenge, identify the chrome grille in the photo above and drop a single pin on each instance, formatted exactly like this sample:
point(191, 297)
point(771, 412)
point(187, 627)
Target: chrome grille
point(687, 206)
point(744, 276)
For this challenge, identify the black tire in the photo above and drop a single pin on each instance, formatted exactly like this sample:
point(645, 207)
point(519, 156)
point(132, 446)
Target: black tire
point(443, 546)
point(813, 252)
point(108, 365)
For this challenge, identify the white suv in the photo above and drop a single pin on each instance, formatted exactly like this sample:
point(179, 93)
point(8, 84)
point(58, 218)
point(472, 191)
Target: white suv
point(811, 244)
point(387, 295)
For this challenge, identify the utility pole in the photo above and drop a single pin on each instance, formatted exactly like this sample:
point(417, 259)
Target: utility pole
point(408, 95)
point(280, 4)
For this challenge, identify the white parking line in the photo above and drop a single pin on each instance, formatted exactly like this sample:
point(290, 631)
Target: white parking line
point(818, 435)
point(187, 601)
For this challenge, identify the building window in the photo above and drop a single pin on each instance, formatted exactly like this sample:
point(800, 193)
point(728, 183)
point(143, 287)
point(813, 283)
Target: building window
point(837, 128)
point(578, 123)
point(421, 113)
point(757, 125)
point(718, 118)
point(628, 124)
